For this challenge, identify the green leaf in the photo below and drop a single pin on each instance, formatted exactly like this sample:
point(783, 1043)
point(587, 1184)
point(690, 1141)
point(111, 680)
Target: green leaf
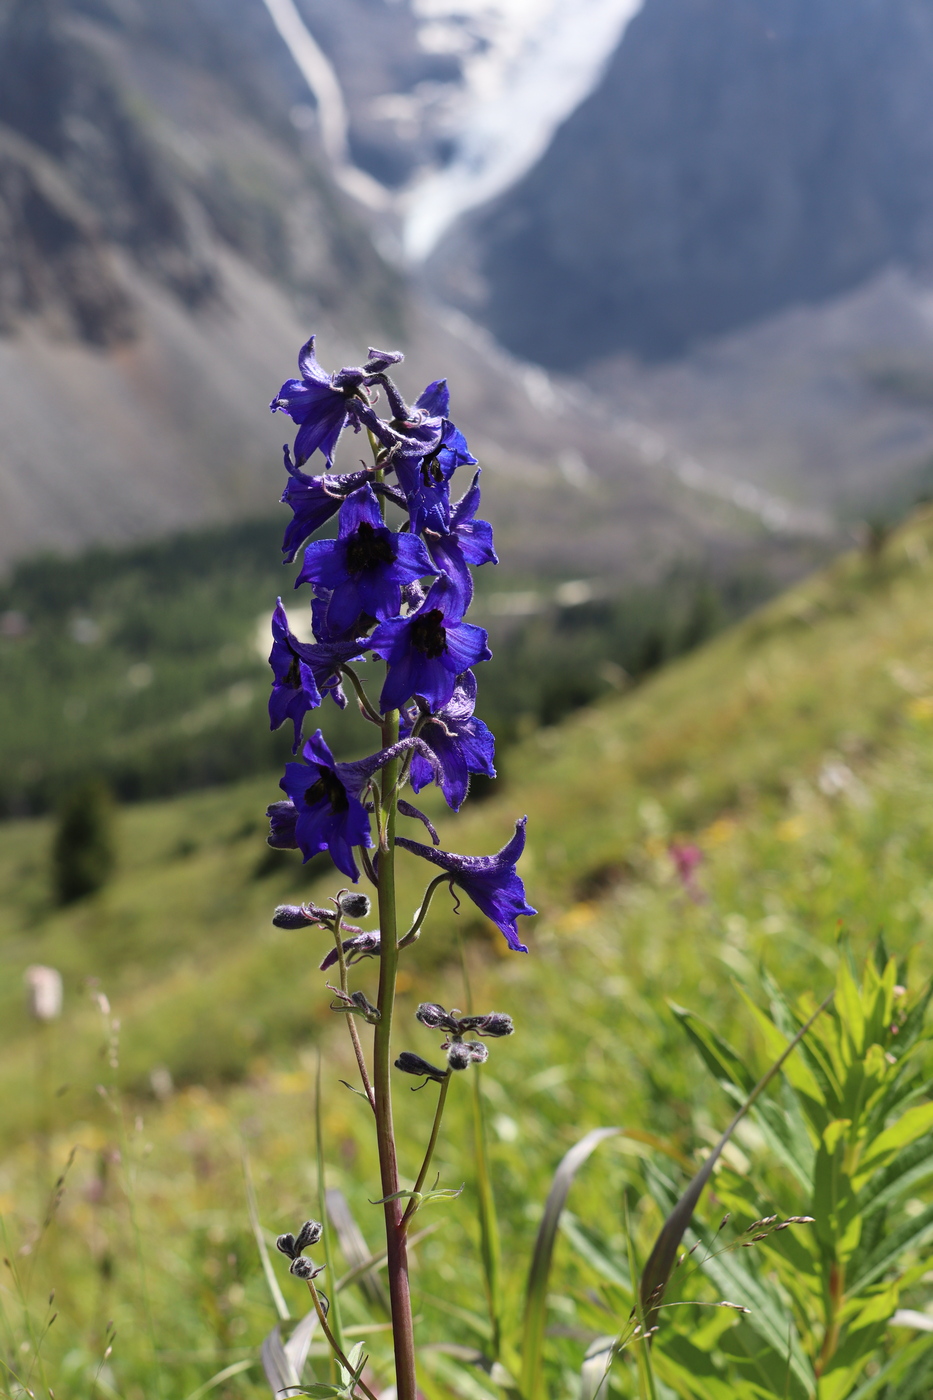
point(490, 1248)
point(717, 1054)
point(911, 1235)
point(913, 1124)
point(540, 1271)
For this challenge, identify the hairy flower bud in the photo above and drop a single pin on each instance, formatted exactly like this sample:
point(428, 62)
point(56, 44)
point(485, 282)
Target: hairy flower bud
point(303, 1268)
point(495, 1023)
point(436, 1018)
point(300, 916)
point(409, 1063)
point(355, 906)
point(463, 1053)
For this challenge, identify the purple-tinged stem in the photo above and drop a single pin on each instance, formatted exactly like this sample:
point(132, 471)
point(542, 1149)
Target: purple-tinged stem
point(396, 1243)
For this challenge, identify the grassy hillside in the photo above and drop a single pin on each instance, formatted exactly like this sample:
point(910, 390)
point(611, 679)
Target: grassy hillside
point(795, 750)
point(146, 665)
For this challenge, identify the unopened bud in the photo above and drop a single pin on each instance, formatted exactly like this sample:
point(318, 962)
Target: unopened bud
point(299, 916)
point(354, 905)
point(309, 1234)
point(495, 1023)
point(410, 1063)
point(303, 1268)
point(436, 1018)
point(461, 1053)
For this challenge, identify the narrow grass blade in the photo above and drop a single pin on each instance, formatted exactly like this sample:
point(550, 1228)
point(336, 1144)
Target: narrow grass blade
point(278, 1365)
point(328, 1239)
point(490, 1251)
point(356, 1252)
point(225, 1375)
point(540, 1271)
point(299, 1343)
point(272, 1282)
point(657, 1270)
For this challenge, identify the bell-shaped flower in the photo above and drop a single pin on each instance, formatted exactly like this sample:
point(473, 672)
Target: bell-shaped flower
point(468, 541)
point(328, 816)
point(303, 672)
point(325, 797)
point(366, 567)
point(492, 882)
point(322, 404)
point(428, 650)
point(461, 743)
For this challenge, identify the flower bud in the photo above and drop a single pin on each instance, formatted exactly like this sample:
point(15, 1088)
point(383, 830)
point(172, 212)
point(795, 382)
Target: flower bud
point(309, 1234)
point(410, 1063)
point(283, 817)
point(354, 905)
point(462, 1053)
point(436, 1018)
point(303, 1268)
point(299, 916)
point(495, 1023)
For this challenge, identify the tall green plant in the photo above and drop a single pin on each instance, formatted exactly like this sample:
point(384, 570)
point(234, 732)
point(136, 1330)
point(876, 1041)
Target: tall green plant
point(847, 1142)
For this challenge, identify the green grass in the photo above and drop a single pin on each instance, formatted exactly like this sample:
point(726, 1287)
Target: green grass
point(796, 750)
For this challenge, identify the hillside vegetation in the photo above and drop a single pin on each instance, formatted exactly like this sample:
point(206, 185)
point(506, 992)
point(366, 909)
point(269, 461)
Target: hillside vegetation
point(795, 751)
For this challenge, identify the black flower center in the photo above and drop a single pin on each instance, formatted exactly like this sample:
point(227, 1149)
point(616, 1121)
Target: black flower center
point(429, 635)
point(293, 675)
point(328, 788)
point(369, 548)
point(431, 473)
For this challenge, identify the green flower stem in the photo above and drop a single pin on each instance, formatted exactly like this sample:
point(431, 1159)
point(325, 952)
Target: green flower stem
point(366, 704)
point(412, 934)
point(351, 1019)
point(332, 1341)
point(396, 1244)
point(432, 1143)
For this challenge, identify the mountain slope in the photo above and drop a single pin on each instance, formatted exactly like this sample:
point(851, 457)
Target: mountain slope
point(738, 156)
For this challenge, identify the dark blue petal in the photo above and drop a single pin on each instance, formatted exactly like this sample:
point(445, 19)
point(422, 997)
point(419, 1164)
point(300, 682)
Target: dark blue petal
point(435, 401)
point(492, 882)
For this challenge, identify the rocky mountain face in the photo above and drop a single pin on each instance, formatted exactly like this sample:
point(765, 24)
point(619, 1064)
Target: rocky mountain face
point(739, 157)
point(170, 233)
point(167, 238)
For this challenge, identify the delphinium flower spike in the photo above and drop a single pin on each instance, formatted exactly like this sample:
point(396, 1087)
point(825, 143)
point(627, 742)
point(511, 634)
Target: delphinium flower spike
point(394, 584)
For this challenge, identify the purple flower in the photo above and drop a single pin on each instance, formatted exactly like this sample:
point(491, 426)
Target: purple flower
point(461, 743)
point(294, 689)
point(313, 499)
point(324, 797)
point(492, 882)
point(322, 404)
point(429, 452)
point(328, 815)
point(364, 569)
point(428, 650)
point(468, 541)
point(303, 671)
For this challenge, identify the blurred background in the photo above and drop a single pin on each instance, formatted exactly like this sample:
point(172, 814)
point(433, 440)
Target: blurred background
point(675, 259)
